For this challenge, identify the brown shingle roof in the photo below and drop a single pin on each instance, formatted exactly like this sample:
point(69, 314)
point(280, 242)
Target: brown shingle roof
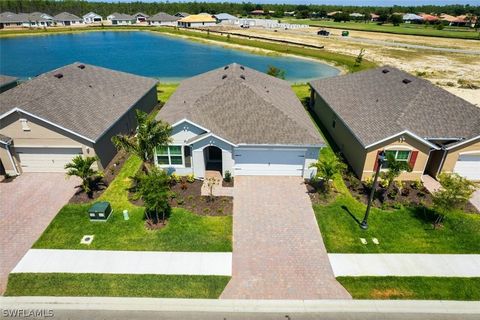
point(66, 16)
point(243, 106)
point(86, 101)
point(378, 103)
point(5, 80)
point(162, 16)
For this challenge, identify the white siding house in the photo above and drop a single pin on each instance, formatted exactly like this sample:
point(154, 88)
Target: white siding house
point(92, 17)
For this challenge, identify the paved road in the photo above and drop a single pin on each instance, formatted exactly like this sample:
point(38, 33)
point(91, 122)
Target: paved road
point(278, 252)
point(27, 205)
point(200, 309)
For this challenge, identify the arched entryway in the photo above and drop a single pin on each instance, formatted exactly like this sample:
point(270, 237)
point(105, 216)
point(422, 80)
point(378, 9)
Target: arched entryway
point(213, 158)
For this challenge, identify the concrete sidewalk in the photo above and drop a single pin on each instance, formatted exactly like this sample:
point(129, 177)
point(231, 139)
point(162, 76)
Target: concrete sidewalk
point(125, 262)
point(153, 308)
point(406, 265)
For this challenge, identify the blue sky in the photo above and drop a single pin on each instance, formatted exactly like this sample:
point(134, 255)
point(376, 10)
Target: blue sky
point(335, 2)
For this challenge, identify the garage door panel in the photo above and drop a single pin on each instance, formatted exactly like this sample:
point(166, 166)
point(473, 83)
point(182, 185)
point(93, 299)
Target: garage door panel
point(46, 159)
point(468, 166)
point(271, 162)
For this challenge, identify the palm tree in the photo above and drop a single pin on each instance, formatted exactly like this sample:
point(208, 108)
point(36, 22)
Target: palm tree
point(149, 134)
point(327, 167)
point(82, 167)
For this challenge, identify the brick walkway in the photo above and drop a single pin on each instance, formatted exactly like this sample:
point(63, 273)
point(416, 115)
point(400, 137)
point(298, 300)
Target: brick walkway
point(278, 252)
point(218, 190)
point(28, 204)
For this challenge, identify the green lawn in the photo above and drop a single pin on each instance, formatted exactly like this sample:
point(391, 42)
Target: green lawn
point(185, 231)
point(414, 288)
point(165, 90)
point(408, 29)
point(115, 285)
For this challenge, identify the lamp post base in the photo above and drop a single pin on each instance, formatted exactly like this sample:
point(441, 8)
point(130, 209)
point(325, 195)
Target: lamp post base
point(364, 225)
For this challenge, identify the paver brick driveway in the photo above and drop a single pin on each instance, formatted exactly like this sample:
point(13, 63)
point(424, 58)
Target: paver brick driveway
point(278, 251)
point(27, 205)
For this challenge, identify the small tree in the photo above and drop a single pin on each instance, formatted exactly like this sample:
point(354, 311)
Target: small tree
point(394, 169)
point(396, 19)
point(211, 183)
point(149, 134)
point(454, 193)
point(276, 72)
point(359, 58)
point(82, 167)
point(327, 167)
point(153, 188)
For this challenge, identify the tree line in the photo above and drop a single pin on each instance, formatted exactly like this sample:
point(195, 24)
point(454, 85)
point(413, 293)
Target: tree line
point(303, 11)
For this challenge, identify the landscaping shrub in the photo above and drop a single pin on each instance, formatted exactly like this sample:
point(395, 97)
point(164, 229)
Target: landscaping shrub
point(228, 176)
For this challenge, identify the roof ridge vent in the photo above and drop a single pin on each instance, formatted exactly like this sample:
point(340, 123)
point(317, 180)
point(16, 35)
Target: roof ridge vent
point(224, 76)
point(242, 67)
point(226, 67)
point(385, 71)
point(82, 66)
point(242, 76)
point(406, 81)
point(58, 75)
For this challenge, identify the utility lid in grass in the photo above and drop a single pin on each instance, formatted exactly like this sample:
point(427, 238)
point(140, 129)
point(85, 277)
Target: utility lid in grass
point(100, 207)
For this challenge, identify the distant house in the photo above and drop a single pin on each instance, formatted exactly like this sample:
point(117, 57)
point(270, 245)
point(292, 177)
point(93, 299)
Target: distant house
point(429, 17)
point(163, 19)
point(67, 19)
point(239, 120)
point(197, 21)
point(386, 109)
point(448, 18)
point(38, 19)
point(257, 12)
point(7, 82)
point(121, 19)
point(411, 17)
point(356, 15)
point(92, 17)
point(181, 14)
point(225, 18)
point(140, 17)
point(12, 20)
point(331, 14)
point(374, 17)
point(74, 110)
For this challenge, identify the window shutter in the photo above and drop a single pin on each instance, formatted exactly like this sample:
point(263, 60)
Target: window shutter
point(375, 166)
point(413, 158)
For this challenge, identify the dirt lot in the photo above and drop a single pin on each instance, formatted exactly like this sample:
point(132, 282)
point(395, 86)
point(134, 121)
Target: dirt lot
point(442, 68)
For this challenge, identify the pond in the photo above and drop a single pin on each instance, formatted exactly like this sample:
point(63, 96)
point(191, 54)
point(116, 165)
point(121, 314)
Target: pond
point(144, 53)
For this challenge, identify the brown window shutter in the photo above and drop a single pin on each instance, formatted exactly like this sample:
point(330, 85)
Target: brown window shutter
point(413, 158)
point(375, 166)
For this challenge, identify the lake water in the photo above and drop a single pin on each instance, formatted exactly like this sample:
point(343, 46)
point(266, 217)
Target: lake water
point(142, 53)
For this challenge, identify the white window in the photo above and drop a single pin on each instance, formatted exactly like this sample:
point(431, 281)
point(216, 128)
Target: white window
point(400, 155)
point(24, 123)
point(171, 155)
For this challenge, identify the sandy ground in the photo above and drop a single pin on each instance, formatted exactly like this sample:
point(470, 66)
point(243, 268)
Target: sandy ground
point(442, 68)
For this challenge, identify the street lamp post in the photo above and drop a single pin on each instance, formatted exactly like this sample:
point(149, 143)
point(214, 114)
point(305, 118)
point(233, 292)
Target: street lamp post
point(380, 162)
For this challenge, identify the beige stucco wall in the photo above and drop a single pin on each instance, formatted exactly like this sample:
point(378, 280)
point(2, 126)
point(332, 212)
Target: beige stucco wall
point(409, 143)
point(452, 156)
point(345, 141)
point(40, 135)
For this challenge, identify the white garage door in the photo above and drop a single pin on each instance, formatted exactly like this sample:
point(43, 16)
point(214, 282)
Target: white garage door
point(46, 159)
point(269, 162)
point(468, 166)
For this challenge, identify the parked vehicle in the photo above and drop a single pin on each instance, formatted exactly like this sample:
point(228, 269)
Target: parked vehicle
point(345, 33)
point(323, 32)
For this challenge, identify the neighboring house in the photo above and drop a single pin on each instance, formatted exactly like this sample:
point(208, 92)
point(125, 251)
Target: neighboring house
point(38, 19)
point(67, 19)
point(356, 15)
point(411, 17)
point(7, 82)
point(92, 17)
point(257, 12)
point(239, 120)
point(429, 18)
point(163, 19)
point(121, 19)
point(181, 14)
point(386, 109)
point(12, 20)
point(70, 111)
point(225, 18)
point(140, 17)
point(374, 17)
point(197, 20)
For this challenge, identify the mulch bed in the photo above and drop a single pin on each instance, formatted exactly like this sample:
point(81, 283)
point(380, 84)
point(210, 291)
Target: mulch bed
point(316, 195)
point(188, 196)
point(227, 184)
point(110, 172)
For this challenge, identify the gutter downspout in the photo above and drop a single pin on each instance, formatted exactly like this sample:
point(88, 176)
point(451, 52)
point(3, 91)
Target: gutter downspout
point(12, 161)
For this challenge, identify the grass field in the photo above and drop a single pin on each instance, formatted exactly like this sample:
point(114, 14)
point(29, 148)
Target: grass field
point(185, 231)
point(115, 285)
point(407, 29)
point(412, 288)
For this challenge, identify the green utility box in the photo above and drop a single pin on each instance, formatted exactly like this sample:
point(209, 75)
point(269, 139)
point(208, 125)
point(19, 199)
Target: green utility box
point(100, 211)
point(345, 33)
